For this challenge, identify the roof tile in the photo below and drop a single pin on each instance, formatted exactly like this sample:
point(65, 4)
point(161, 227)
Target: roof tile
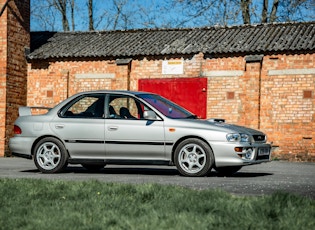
point(249, 39)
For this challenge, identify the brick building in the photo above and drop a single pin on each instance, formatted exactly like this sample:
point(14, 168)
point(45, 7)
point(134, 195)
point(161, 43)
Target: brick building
point(261, 76)
point(14, 39)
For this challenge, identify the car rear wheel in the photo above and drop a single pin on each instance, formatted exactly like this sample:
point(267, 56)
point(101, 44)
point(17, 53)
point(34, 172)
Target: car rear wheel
point(50, 155)
point(193, 157)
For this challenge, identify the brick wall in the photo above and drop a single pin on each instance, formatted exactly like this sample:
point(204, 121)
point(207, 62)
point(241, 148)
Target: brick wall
point(274, 94)
point(225, 88)
point(3, 68)
point(14, 38)
point(288, 103)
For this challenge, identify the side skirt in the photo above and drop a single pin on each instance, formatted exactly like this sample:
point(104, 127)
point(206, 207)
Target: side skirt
point(120, 162)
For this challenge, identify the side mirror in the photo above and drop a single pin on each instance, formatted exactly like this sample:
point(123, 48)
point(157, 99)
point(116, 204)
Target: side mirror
point(150, 115)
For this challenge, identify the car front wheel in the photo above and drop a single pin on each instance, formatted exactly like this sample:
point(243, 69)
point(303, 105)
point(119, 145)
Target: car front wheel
point(193, 157)
point(50, 155)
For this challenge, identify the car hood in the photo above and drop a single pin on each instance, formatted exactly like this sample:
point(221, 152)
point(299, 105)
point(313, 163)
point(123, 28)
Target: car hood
point(219, 126)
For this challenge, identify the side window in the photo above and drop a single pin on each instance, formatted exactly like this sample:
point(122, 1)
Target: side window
point(124, 107)
point(89, 106)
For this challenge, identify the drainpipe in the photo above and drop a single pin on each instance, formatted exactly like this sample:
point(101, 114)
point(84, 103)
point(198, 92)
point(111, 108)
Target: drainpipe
point(251, 59)
point(68, 83)
point(126, 61)
point(128, 75)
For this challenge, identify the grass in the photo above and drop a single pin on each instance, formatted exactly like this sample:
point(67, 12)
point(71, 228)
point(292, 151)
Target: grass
point(50, 204)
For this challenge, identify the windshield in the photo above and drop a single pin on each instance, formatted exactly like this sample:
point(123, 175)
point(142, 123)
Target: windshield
point(166, 107)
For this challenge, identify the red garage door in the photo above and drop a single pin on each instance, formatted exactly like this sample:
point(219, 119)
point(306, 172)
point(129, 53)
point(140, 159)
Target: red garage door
point(190, 93)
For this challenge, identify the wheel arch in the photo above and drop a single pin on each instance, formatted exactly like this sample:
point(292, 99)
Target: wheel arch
point(45, 136)
point(185, 138)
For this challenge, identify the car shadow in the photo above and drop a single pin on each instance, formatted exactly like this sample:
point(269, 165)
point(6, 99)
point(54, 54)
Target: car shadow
point(149, 171)
point(142, 171)
point(242, 174)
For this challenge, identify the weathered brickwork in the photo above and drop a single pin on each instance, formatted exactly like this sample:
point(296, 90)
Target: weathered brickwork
point(244, 93)
point(288, 115)
point(224, 78)
point(3, 68)
point(14, 38)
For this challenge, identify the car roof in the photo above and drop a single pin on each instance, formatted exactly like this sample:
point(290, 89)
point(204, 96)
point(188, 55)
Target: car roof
point(116, 91)
point(125, 92)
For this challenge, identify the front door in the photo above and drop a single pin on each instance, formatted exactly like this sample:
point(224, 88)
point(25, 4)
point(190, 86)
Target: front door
point(128, 136)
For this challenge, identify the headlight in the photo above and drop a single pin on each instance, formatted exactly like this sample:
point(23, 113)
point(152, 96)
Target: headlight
point(244, 137)
point(238, 137)
point(233, 137)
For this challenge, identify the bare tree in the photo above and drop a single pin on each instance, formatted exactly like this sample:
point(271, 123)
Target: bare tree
point(43, 16)
point(264, 13)
point(244, 11)
point(274, 10)
point(72, 6)
point(125, 14)
point(61, 6)
point(245, 6)
point(91, 18)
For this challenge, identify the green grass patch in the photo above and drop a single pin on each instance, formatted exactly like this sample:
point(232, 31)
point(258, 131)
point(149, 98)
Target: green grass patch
point(50, 204)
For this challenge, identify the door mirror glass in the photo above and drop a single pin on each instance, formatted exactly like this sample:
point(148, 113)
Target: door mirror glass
point(150, 115)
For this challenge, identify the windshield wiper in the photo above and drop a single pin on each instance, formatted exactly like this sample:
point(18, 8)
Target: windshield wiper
point(192, 117)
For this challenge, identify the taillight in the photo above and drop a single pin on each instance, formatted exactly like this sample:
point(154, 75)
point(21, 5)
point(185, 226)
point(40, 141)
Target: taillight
point(17, 130)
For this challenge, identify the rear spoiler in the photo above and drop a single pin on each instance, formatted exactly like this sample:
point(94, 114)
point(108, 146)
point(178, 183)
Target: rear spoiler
point(27, 110)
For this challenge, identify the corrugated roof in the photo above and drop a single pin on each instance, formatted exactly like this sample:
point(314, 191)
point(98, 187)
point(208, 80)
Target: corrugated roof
point(246, 39)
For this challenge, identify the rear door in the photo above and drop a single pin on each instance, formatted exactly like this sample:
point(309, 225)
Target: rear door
point(81, 125)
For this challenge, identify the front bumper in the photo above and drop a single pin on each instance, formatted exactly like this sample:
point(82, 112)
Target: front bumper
point(240, 154)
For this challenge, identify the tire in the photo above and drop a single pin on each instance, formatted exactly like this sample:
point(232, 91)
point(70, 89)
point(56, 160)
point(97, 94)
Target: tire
point(50, 155)
point(193, 157)
point(93, 167)
point(228, 170)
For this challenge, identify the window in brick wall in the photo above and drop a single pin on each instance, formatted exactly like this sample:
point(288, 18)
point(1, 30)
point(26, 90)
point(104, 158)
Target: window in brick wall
point(307, 94)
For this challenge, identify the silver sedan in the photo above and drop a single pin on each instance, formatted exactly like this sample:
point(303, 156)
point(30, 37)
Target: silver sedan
point(123, 127)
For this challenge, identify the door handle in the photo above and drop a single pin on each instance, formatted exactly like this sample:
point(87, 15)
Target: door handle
point(113, 128)
point(59, 126)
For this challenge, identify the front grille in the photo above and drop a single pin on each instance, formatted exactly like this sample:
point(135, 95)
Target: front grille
point(259, 138)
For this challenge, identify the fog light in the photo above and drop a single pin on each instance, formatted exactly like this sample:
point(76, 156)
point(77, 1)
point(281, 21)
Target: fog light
point(248, 154)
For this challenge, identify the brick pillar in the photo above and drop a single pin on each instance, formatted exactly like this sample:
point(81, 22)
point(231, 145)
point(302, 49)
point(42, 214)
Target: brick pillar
point(14, 39)
point(250, 96)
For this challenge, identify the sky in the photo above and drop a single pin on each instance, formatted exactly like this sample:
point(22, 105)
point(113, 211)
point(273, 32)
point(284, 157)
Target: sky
point(100, 6)
point(135, 15)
